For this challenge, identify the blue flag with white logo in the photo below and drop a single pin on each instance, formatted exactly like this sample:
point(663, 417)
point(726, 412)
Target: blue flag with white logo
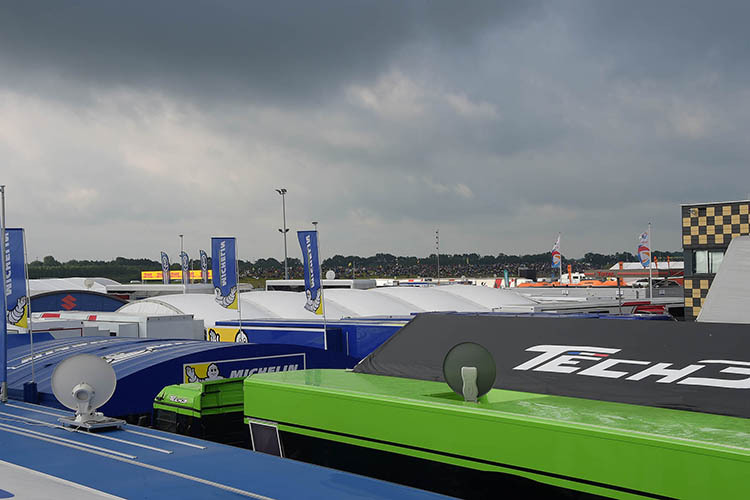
point(308, 241)
point(17, 299)
point(224, 270)
point(185, 264)
point(204, 266)
point(165, 268)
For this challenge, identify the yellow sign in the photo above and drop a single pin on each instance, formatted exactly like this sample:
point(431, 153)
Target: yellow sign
point(195, 275)
point(225, 334)
point(200, 372)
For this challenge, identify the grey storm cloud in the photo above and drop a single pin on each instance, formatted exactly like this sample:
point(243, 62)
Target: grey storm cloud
point(289, 49)
point(501, 123)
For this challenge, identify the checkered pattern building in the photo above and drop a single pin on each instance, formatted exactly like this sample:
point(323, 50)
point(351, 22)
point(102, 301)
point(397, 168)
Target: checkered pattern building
point(708, 226)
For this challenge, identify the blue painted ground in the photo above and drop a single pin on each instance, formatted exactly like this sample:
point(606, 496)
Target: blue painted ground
point(183, 468)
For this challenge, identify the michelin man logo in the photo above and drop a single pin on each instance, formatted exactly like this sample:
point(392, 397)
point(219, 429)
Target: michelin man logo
point(310, 304)
point(17, 314)
point(213, 336)
point(212, 373)
point(225, 300)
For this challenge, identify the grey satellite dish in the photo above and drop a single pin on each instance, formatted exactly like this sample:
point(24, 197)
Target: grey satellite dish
point(469, 369)
point(330, 275)
point(84, 383)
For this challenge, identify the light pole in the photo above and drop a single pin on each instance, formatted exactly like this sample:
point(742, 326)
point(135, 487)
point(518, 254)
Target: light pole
point(437, 247)
point(284, 230)
point(182, 274)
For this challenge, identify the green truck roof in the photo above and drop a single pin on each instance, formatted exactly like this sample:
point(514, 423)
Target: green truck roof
point(200, 399)
point(599, 447)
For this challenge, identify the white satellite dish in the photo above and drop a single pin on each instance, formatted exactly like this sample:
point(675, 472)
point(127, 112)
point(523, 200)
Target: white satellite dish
point(84, 383)
point(330, 274)
point(88, 283)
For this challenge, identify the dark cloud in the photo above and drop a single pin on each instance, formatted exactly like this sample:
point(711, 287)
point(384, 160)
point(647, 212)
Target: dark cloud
point(296, 50)
point(669, 40)
point(499, 122)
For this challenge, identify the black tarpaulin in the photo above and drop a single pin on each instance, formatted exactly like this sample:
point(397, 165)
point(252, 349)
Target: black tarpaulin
point(689, 366)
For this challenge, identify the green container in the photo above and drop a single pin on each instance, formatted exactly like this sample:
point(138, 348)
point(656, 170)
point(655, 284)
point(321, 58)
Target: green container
point(209, 410)
point(509, 443)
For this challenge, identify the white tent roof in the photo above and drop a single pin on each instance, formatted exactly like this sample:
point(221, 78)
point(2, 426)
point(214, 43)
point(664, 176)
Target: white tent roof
point(462, 298)
point(201, 306)
point(339, 303)
point(727, 299)
point(289, 305)
point(365, 303)
point(490, 298)
point(45, 285)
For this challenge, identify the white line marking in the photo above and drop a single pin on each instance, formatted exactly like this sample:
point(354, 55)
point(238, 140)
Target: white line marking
point(61, 414)
point(152, 467)
point(166, 439)
point(60, 440)
point(86, 433)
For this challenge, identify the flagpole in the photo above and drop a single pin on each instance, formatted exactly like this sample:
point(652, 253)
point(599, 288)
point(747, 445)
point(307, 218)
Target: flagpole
point(650, 264)
point(182, 268)
point(322, 295)
point(237, 280)
point(4, 326)
point(559, 249)
point(28, 304)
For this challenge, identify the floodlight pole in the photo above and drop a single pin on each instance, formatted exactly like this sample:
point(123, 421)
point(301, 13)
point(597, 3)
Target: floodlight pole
point(437, 247)
point(284, 230)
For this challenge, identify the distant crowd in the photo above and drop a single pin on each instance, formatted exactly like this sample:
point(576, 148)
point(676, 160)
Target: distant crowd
point(453, 266)
point(380, 265)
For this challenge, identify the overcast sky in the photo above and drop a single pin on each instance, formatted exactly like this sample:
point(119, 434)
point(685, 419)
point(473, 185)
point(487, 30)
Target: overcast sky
point(124, 124)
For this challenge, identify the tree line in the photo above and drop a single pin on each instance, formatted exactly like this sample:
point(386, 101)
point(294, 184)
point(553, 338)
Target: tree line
point(384, 265)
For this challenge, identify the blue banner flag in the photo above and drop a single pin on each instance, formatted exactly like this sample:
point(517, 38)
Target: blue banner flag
point(165, 268)
point(185, 263)
point(224, 268)
point(204, 267)
point(308, 241)
point(17, 299)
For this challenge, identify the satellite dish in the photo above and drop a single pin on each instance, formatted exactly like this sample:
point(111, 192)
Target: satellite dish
point(330, 275)
point(84, 383)
point(469, 369)
point(88, 283)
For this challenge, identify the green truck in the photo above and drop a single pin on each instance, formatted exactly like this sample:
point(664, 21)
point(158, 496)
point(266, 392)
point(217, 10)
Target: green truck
point(422, 434)
point(209, 410)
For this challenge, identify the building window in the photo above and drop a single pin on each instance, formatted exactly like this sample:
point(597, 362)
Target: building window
point(707, 261)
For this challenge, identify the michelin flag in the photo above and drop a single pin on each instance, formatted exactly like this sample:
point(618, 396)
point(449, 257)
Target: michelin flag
point(15, 279)
point(224, 269)
point(308, 241)
point(204, 267)
point(644, 251)
point(185, 262)
point(556, 257)
point(165, 268)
